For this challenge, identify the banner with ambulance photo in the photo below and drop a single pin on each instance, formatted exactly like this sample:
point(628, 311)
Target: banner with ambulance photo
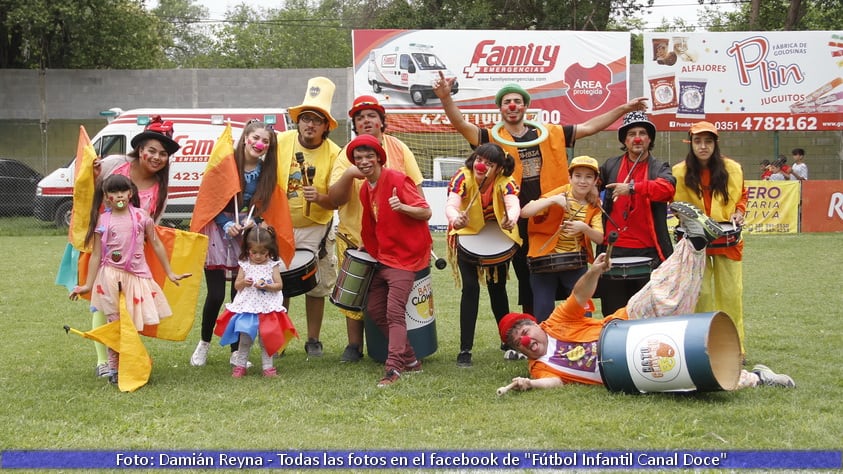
point(745, 81)
point(571, 76)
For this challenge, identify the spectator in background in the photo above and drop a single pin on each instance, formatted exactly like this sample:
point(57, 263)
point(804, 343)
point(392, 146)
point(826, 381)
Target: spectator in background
point(776, 171)
point(765, 170)
point(799, 170)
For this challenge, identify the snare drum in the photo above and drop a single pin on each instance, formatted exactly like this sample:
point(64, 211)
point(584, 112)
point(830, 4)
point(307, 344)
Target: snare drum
point(730, 239)
point(487, 248)
point(557, 262)
point(630, 268)
point(353, 280)
point(302, 276)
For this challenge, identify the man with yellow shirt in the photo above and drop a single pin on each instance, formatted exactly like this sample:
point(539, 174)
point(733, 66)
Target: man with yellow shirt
point(308, 147)
point(368, 118)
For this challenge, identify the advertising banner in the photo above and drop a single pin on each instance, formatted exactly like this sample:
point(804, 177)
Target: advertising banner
point(745, 81)
point(822, 206)
point(772, 208)
point(571, 76)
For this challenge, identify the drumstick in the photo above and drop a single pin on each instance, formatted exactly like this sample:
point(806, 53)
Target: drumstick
point(480, 167)
point(249, 217)
point(503, 390)
point(636, 140)
point(311, 173)
point(558, 231)
point(613, 237)
point(345, 239)
point(440, 262)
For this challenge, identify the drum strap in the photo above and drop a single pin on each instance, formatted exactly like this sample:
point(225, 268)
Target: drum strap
point(322, 250)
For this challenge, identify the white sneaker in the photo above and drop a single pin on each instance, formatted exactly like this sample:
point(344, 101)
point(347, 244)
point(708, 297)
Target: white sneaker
point(200, 355)
point(234, 357)
point(772, 379)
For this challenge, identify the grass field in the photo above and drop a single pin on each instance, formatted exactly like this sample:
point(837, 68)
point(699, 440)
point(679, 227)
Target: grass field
point(792, 299)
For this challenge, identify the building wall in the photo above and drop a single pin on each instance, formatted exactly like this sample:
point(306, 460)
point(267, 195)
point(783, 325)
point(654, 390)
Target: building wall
point(40, 113)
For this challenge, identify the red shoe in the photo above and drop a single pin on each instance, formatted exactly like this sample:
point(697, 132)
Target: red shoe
point(414, 368)
point(390, 378)
point(270, 372)
point(238, 372)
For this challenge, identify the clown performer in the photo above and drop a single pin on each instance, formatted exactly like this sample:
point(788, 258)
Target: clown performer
point(305, 159)
point(368, 118)
point(672, 290)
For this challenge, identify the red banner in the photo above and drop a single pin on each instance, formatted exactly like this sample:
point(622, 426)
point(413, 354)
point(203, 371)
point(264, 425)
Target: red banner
point(822, 206)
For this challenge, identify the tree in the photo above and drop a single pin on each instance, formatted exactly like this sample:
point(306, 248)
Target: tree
point(777, 15)
point(79, 34)
point(187, 37)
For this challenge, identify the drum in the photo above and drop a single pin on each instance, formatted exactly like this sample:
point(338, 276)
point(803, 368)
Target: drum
point(630, 268)
point(557, 262)
point(487, 248)
point(302, 276)
point(421, 323)
point(671, 354)
point(353, 280)
point(732, 237)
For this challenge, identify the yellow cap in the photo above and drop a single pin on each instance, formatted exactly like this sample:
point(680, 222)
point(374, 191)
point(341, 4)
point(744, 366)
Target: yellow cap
point(585, 161)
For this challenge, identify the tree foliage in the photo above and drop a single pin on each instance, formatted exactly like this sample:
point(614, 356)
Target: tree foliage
point(317, 33)
point(79, 34)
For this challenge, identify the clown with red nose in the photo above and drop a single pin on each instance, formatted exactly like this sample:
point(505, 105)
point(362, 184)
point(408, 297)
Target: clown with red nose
point(636, 189)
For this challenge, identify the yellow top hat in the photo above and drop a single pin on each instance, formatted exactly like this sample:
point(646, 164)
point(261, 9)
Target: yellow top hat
point(317, 98)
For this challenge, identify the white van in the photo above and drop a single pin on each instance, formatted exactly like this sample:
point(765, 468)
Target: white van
point(412, 68)
point(196, 130)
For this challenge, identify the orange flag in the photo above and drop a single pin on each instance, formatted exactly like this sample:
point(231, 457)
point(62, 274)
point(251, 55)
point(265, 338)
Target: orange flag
point(219, 184)
point(83, 191)
point(186, 254)
point(278, 216)
point(122, 336)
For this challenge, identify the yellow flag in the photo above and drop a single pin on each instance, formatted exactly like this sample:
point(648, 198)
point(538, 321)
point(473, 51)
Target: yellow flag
point(83, 192)
point(186, 254)
point(122, 336)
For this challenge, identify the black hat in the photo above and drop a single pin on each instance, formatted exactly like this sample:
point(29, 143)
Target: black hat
point(638, 119)
point(160, 130)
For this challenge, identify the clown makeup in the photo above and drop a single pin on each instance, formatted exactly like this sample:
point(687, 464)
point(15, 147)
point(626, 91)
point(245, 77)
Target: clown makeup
point(368, 122)
point(118, 201)
point(153, 156)
point(256, 144)
point(258, 254)
point(637, 140)
point(366, 160)
point(512, 108)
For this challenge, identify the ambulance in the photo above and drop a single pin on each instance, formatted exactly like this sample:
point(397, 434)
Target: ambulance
point(196, 130)
point(412, 68)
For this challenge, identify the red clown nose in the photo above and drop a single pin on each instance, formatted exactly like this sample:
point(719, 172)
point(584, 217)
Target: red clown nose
point(525, 341)
point(512, 107)
point(480, 167)
point(636, 141)
point(259, 146)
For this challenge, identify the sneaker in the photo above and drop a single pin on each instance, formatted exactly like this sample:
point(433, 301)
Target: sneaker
point(200, 355)
point(390, 378)
point(414, 368)
point(238, 372)
point(233, 356)
point(270, 372)
point(313, 347)
point(101, 370)
point(112, 377)
point(512, 354)
point(352, 353)
point(464, 359)
point(772, 379)
point(695, 222)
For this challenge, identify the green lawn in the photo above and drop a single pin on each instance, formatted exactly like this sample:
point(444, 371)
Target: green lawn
point(792, 299)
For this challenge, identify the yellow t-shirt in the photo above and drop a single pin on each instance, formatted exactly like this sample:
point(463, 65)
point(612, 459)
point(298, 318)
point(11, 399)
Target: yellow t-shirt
point(290, 176)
